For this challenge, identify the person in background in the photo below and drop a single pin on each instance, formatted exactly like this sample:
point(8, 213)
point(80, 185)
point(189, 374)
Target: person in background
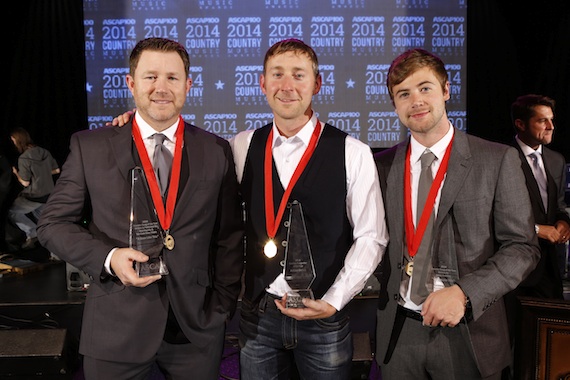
point(176, 320)
point(545, 173)
point(35, 171)
point(533, 119)
point(333, 177)
point(441, 313)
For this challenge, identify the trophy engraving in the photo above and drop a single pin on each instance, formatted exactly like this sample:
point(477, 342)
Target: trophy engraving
point(299, 269)
point(145, 232)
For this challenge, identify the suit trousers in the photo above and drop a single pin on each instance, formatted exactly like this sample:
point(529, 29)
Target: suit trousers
point(176, 361)
point(423, 352)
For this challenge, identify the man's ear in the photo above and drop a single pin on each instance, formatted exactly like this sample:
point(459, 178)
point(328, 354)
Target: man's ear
point(520, 125)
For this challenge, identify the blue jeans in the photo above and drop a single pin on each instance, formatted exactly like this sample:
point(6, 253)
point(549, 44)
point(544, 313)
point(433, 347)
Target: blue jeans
point(272, 344)
point(18, 215)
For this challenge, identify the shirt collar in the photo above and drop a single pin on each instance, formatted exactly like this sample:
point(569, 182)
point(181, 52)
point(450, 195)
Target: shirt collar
point(438, 149)
point(304, 134)
point(147, 131)
point(527, 150)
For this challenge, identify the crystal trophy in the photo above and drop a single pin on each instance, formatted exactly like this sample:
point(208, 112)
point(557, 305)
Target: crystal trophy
point(145, 232)
point(299, 270)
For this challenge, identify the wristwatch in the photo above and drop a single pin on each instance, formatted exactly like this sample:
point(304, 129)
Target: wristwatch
point(536, 228)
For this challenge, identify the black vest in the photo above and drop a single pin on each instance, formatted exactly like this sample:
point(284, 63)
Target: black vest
point(321, 190)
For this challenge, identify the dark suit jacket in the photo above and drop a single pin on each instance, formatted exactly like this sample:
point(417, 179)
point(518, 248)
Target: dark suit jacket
point(127, 323)
point(545, 281)
point(484, 221)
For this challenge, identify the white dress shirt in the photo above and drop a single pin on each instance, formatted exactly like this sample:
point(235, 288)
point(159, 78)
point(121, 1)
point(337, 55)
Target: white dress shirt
point(364, 206)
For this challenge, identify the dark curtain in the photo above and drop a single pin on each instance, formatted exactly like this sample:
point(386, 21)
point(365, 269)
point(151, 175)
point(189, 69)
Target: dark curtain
point(513, 48)
point(516, 48)
point(44, 85)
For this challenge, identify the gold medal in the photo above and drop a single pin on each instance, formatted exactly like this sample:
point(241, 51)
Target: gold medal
point(169, 242)
point(409, 268)
point(270, 249)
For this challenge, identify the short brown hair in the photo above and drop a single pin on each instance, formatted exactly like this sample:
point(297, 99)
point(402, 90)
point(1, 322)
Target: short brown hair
point(523, 107)
point(411, 61)
point(295, 45)
point(158, 44)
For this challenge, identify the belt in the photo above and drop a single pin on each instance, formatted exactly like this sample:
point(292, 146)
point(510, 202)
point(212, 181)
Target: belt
point(409, 313)
point(267, 302)
point(414, 314)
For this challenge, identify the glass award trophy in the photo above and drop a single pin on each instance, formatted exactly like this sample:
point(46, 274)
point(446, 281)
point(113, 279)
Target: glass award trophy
point(145, 233)
point(299, 270)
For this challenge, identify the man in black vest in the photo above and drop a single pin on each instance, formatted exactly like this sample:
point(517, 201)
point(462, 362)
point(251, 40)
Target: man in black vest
point(296, 159)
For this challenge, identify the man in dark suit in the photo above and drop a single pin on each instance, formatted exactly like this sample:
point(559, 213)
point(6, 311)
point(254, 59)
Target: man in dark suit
point(533, 119)
point(480, 245)
point(545, 174)
point(176, 320)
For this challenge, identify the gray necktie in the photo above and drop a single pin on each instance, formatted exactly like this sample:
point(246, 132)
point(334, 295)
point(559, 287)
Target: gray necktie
point(422, 259)
point(540, 179)
point(161, 162)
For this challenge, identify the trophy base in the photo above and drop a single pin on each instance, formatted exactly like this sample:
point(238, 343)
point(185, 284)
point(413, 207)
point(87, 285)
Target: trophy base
point(151, 267)
point(295, 298)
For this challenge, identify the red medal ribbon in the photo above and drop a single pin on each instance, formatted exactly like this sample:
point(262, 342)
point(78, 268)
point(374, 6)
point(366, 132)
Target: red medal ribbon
point(164, 215)
point(413, 239)
point(271, 222)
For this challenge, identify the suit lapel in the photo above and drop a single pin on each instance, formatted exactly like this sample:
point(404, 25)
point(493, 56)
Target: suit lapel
point(459, 166)
point(192, 170)
point(395, 193)
point(127, 158)
point(123, 150)
point(531, 183)
point(552, 187)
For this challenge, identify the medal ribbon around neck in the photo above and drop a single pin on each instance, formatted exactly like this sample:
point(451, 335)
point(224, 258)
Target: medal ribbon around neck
point(413, 239)
point(164, 214)
point(271, 222)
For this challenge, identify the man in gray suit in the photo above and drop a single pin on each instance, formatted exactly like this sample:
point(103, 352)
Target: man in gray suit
point(176, 320)
point(476, 240)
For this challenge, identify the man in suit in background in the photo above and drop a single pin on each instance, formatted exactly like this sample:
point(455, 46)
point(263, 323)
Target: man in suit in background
point(176, 320)
point(533, 119)
point(545, 174)
point(441, 313)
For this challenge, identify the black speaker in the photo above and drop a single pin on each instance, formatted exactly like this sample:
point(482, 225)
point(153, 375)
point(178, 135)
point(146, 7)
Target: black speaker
point(31, 353)
point(362, 356)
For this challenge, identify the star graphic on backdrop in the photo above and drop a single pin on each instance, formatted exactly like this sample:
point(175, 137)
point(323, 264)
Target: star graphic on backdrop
point(219, 85)
point(350, 83)
point(88, 87)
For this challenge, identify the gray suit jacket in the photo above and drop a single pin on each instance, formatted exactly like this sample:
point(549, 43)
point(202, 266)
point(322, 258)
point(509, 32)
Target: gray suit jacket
point(484, 221)
point(127, 323)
